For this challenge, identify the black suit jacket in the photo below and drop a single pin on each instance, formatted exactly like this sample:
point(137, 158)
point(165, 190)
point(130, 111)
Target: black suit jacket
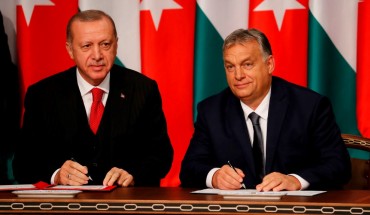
point(302, 138)
point(9, 107)
point(132, 134)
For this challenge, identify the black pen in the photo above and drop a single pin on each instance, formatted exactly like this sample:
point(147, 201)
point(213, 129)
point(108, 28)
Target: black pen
point(72, 159)
point(243, 185)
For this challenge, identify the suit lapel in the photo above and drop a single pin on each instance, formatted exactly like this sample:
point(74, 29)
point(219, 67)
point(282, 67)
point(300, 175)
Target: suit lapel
point(116, 112)
point(235, 120)
point(70, 105)
point(277, 111)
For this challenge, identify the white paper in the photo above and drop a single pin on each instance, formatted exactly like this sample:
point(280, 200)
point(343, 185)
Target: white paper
point(16, 187)
point(46, 193)
point(255, 192)
point(250, 192)
point(207, 191)
point(82, 187)
point(55, 187)
point(304, 192)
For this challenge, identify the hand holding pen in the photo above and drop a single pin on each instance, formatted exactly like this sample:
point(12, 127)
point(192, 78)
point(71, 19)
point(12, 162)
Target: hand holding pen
point(243, 185)
point(72, 173)
point(227, 178)
point(72, 159)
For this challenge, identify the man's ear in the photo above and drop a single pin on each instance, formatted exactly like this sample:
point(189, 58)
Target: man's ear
point(69, 50)
point(271, 63)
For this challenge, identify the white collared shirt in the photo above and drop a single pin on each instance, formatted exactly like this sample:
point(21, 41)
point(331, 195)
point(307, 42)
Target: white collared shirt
point(262, 110)
point(85, 90)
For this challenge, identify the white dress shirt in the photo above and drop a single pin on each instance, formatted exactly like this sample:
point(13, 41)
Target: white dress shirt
point(85, 90)
point(262, 110)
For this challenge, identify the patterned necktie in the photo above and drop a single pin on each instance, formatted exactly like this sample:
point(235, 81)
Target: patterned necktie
point(257, 146)
point(97, 109)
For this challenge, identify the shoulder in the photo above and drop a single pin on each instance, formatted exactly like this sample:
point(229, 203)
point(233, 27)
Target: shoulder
point(286, 88)
point(218, 101)
point(217, 97)
point(130, 81)
point(298, 97)
point(57, 81)
point(126, 74)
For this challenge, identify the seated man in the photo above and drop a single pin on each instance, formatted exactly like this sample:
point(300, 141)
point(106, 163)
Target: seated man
point(95, 119)
point(294, 142)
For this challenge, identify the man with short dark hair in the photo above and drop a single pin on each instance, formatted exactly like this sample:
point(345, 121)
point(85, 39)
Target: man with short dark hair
point(300, 144)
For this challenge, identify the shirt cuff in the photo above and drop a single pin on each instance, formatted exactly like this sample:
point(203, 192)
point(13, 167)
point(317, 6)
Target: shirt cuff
point(210, 176)
point(304, 183)
point(53, 176)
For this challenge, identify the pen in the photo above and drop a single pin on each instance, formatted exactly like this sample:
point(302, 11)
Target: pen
point(243, 185)
point(72, 159)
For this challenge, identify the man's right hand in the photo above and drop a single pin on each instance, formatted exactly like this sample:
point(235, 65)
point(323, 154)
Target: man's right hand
point(72, 173)
point(227, 179)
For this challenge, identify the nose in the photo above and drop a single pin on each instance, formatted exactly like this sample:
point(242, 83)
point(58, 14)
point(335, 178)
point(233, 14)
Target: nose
point(239, 74)
point(96, 53)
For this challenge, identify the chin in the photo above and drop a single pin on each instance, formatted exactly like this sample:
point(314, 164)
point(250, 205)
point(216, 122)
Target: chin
point(241, 95)
point(98, 72)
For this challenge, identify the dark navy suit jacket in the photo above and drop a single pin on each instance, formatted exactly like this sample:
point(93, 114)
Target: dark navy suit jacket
point(302, 138)
point(132, 134)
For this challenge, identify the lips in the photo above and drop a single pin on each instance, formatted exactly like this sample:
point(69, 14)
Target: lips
point(97, 67)
point(241, 85)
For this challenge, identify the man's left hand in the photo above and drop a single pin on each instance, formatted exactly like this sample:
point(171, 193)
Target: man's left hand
point(276, 182)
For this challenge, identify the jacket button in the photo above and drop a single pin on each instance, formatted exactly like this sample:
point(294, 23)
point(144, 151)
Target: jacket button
point(95, 164)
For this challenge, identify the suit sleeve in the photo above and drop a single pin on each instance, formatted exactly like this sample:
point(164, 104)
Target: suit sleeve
point(150, 133)
point(334, 166)
point(198, 159)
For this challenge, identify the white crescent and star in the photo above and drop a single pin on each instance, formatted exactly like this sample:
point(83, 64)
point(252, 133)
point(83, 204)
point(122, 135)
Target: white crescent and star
point(29, 5)
point(279, 7)
point(156, 8)
point(225, 20)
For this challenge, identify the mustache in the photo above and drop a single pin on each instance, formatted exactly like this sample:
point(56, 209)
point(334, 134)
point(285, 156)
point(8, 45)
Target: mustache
point(97, 63)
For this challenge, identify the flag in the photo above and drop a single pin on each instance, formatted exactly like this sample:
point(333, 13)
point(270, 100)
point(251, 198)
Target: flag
point(41, 36)
point(284, 22)
point(277, 19)
point(214, 21)
point(363, 68)
point(167, 38)
point(316, 43)
point(126, 15)
point(156, 39)
point(307, 39)
point(332, 57)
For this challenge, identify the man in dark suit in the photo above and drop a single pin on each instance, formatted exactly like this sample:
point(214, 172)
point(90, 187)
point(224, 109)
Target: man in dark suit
point(131, 146)
point(301, 147)
point(9, 108)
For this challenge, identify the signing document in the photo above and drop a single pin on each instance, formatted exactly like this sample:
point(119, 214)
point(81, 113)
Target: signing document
point(254, 194)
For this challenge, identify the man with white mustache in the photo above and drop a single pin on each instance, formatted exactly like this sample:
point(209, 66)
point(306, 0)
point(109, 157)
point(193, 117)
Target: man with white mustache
point(62, 142)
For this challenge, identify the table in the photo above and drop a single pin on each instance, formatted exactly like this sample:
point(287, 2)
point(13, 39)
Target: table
point(176, 200)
